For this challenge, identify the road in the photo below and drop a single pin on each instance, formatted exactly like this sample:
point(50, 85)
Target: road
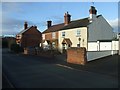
point(38, 72)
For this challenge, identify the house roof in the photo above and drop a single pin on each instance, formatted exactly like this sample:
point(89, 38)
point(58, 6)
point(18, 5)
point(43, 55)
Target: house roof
point(54, 28)
point(24, 30)
point(77, 23)
point(66, 41)
point(73, 24)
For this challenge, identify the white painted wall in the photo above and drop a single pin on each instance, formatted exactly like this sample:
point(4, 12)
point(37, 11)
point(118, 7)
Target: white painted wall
point(71, 34)
point(100, 30)
point(92, 46)
point(105, 46)
point(106, 49)
point(43, 36)
point(115, 45)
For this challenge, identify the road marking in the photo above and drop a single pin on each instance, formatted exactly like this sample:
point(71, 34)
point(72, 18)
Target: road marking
point(81, 70)
point(11, 85)
point(65, 66)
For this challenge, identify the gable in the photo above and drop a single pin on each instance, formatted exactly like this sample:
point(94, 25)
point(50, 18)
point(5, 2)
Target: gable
point(100, 29)
point(103, 19)
point(24, 30)
point(67, 41)
point(32, 31)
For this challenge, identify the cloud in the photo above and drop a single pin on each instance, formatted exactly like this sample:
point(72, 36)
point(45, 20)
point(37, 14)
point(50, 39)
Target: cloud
point(56, 19)
point(114, 24)
point(12, 7)
point(12, 25)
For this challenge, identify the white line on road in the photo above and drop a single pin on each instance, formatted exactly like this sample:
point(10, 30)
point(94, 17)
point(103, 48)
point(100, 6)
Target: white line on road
point(68, 67)
point(64, 66)
point(11, 85)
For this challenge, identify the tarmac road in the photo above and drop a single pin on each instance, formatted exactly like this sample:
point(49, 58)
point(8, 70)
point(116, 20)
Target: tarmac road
point(39, 72)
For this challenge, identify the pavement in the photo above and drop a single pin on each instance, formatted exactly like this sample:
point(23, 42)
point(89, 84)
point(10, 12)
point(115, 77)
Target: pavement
point(24, 71)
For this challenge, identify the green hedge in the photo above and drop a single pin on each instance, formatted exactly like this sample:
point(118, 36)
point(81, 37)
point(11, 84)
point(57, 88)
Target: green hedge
point(16, 48)
point(4, 44)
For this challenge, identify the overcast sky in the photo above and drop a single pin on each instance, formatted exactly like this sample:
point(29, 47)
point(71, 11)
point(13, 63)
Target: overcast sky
point(14, 14)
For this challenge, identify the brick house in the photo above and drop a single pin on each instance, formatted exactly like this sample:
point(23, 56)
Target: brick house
point(50, 35)
point(29, 36)
point(80, 33)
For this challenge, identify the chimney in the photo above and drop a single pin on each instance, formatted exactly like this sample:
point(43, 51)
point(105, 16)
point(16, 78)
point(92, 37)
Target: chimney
point(93, 10)
point(35, 26)
point(49, 24)
point(67, 18)
point(93, 13)
point(25, 25)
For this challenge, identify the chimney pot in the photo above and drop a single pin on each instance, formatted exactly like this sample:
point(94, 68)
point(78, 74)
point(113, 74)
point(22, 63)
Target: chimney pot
point(93, 10)
point(49, 24)
point(25, 25)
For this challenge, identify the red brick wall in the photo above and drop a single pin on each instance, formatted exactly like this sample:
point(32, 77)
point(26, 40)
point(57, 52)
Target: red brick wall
point(76, 55)
point(48, 36)
point(31, 38)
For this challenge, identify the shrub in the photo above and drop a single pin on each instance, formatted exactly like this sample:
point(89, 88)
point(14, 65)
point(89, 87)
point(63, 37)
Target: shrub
point(4, 44)
point(16, 48)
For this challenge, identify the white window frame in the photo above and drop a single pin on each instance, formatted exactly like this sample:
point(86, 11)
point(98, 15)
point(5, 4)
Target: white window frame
point(63, 34)
point(78, 33)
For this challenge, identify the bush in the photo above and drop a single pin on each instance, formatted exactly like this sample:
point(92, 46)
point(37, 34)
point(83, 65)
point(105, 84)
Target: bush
point(16, 48)
point(4, 44)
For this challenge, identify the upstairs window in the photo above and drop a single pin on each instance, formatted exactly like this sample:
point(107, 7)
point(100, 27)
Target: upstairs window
point(53, 35)
point(63, 34)
point(78, 33)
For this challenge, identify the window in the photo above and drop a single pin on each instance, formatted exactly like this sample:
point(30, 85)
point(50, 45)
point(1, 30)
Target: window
point(78, 33)
point(63, 34)
point(53, 35)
